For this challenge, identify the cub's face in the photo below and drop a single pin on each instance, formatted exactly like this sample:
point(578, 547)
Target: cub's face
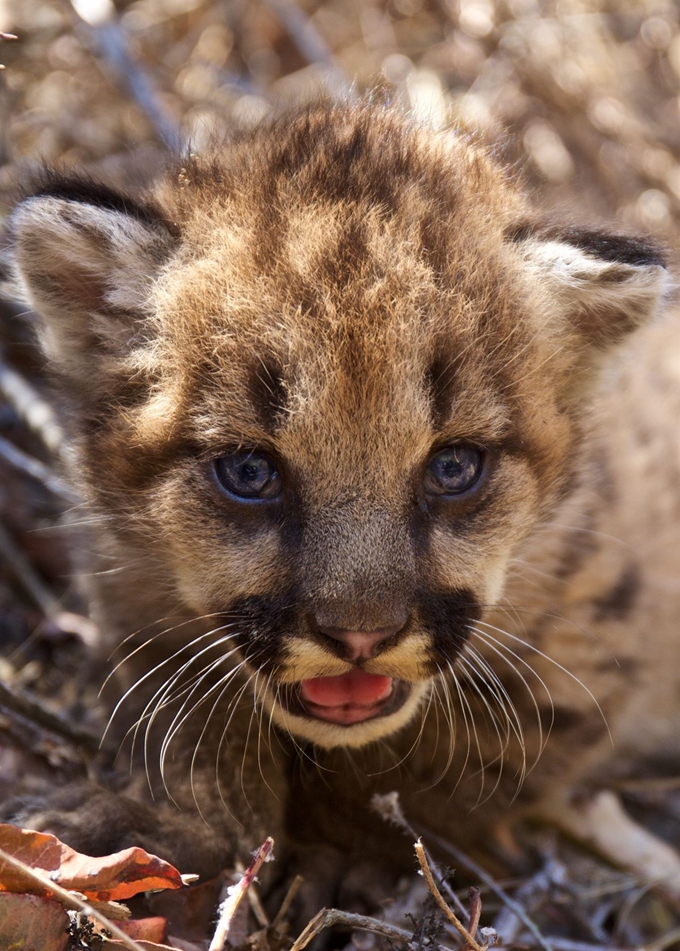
point(334, 376)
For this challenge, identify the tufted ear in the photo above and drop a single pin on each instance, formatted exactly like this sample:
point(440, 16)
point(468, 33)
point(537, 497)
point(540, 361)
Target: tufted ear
point(603, 285)
point(85, 258)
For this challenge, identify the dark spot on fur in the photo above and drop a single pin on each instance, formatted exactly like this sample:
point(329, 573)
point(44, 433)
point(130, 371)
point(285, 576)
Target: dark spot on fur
point(617, 603)
point(262, 624)
point(581, 542)
point(447, 618)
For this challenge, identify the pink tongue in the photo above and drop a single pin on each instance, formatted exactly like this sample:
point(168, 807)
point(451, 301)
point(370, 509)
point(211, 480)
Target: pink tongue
point(356, 687)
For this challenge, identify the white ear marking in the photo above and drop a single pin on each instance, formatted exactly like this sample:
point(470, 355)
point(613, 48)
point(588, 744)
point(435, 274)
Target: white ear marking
point(86, 269)
point(602, 298)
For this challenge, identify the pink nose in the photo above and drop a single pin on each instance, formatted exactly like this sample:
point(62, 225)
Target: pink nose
point(361, 644)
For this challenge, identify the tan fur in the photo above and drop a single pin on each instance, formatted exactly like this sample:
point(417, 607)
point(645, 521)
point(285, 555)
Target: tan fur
point(350, 292)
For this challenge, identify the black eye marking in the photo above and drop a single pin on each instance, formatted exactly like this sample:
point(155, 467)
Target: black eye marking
point(454, 470)
point(249, 476)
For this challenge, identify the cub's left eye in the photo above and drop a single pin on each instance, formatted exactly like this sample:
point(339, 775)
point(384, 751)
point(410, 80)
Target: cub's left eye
point(248, 475)
point(454, 470)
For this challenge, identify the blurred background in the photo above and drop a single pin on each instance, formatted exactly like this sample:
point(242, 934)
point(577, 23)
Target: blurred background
point(587, 90)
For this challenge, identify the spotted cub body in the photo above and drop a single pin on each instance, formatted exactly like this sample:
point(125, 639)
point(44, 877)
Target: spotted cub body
point(384, 477)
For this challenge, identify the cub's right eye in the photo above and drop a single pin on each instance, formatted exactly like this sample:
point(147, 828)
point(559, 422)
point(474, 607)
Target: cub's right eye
point(248, 476)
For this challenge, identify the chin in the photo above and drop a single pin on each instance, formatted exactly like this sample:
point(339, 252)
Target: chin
point(346, 726)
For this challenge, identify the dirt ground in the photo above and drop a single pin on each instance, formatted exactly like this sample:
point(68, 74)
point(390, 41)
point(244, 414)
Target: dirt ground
point(581, 98)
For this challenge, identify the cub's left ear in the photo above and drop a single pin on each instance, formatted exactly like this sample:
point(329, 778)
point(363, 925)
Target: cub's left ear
point(85, 258)
point(604, 285)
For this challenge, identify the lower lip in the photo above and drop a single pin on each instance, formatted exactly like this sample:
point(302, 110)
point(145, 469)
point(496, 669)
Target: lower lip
point(345, 715)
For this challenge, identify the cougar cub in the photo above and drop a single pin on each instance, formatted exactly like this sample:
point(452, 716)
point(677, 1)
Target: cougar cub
point(383, 474)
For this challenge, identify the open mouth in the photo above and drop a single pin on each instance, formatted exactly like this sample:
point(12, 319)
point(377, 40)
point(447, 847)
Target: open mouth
point(348, 698)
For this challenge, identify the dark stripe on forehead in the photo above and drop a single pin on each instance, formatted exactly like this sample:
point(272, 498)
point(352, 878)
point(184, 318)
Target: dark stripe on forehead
point(440, 381)
point(267, 393)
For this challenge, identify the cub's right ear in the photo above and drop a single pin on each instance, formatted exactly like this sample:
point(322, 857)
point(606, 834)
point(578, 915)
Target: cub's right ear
point(85, 258)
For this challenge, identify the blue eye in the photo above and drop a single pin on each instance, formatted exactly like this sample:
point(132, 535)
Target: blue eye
point(248, 475)
point(454, 470)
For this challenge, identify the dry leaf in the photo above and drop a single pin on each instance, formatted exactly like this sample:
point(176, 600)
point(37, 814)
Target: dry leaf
point(111, 877)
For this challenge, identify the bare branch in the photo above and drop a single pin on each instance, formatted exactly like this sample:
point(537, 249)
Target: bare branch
point(311, 44)
point(31, 408)
point(236, 892)
point(462, 859)
point(287, 902)
point(66, 621)
point(328, 917)
point(109, 36)
point(31, 711)
point(35, 469)
point(389, 808)
point(470, 942)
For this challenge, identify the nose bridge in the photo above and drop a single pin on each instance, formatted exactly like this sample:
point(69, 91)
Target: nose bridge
point(359, 567)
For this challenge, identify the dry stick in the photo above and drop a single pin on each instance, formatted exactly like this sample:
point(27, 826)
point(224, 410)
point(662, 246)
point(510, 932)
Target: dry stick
point(35, 469)
point(462, 859)
point(69, 900)
point(566, 944)
point(65, 620)
point(255, 901)
point(28, 709)
point(328, 917)
point(438, 897)
point(287, 902)
point(113, 45)
point(389, 808)
point(236, 892)
point(31, 408)
point(310, 43)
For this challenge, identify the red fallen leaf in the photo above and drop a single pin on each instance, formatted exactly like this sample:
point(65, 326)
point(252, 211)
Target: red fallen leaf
point(108, 878)
point(145, 929)
point(32, 923)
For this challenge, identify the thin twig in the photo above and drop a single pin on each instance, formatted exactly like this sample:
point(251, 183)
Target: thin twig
point(389, 808)
point(328, 917)
point(70, 900)
point(287, 902)
point(35, 469)
point(236, 892)
point(66, 621)
point(534, 890)
point(113, 45)
point(462, 859)
point(31, 710)
point(31, 408)
point(566, 944)
point(254, 899)
point(311, 44)
point(439, 898)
